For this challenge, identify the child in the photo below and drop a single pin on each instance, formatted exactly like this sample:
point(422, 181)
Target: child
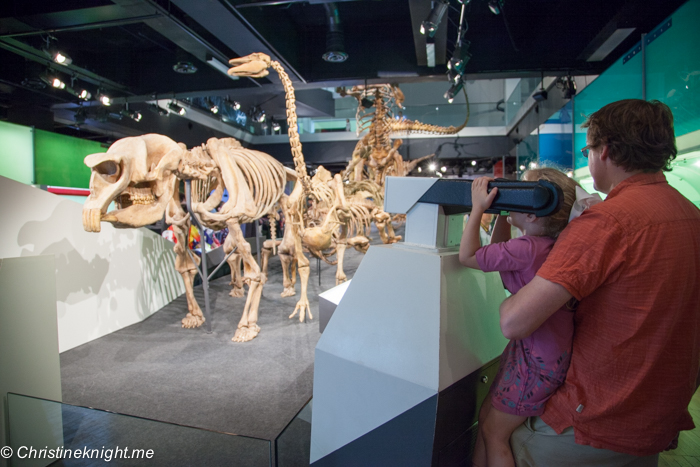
point(531, 369)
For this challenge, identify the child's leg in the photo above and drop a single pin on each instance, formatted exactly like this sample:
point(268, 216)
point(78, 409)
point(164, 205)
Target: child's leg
point(479, 456)
point(496, 431)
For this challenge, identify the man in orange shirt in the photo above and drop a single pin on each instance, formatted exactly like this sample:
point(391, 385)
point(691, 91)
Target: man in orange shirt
point(633, 262)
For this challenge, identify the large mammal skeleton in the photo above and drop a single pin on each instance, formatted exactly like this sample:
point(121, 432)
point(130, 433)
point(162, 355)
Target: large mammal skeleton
point(142, 176)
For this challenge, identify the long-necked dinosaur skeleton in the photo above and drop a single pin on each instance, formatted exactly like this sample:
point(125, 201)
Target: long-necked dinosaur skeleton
point(142, 176)
point(331, 217)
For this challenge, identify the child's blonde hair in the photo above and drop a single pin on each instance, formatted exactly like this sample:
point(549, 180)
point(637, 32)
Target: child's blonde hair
point(555, 223)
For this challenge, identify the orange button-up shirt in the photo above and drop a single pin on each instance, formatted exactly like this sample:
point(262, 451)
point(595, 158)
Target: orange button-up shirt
point(633, 261)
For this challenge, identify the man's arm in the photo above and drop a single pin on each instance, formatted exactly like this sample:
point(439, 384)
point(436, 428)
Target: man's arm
point(525, 311)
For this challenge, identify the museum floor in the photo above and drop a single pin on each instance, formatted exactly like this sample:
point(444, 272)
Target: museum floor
point(158, 370)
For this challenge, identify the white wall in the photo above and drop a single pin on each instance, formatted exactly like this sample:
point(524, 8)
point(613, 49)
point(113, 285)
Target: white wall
point(104, 281)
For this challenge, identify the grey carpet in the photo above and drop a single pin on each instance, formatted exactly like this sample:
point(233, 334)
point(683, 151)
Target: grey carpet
point(158, 370)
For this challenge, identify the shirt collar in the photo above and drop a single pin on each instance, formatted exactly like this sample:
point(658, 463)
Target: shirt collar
point(638, 179)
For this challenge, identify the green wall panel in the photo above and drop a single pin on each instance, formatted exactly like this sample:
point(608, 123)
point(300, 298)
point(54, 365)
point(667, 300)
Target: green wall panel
point(620, 81)
point(16, 152)
point(673, 67)
point(59, 159)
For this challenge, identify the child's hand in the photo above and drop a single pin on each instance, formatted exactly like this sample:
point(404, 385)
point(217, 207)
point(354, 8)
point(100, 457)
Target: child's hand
point(481, 198)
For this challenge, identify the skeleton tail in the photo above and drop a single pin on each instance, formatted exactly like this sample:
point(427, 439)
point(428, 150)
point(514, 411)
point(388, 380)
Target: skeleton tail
point(410, 126)
point(273, 232)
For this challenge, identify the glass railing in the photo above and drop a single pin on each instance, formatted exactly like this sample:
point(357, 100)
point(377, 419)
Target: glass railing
point(42, 432)
point(293, 445)
point(522, 91)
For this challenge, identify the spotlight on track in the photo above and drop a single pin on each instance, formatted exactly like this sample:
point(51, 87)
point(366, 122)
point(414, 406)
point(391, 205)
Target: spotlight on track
point(175, 108)
point(454, 89)
point(104, 98)
point(430, 26)
point(213, 108)
point(156, 109)
point(495, 6)
point(135, 115)
point(57, 56)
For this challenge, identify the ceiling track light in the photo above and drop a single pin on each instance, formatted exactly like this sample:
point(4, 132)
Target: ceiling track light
point(173, 106)
point(103, 98)
point(454, 89)
point(275, 125)
point(156, 109)
point(57, 56)
point(430, 26)
point(213, 108)
point(135, 115)
point(495, 6)
point(236, 105)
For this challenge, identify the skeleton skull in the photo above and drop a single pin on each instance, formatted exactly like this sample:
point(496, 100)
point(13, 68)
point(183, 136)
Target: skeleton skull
point(138, 175)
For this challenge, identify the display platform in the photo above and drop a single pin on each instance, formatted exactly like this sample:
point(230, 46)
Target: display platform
point(158, 370)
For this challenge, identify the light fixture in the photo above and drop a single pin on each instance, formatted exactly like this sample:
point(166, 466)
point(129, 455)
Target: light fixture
point(236, 105)
point(56, 55)
point(223, 68)
point(177, 108)
point(132, 114)
point(454, 89)
point(432, 166)
point(84, 94)
point(522, 167)
point(275, 125)
point(185, 68)
point(53, 81)
point(155, 108)
point(570, 174)
point(430, 26)
point(495, 6)
point(443, 169)
point(257, 114)
point(335, 44)
point(104, 98)
point(533, 165)
point(57, 83)
point(420, 170)
point(213, 108)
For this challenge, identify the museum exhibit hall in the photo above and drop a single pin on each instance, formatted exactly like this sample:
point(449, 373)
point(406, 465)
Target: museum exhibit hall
point(233, 229)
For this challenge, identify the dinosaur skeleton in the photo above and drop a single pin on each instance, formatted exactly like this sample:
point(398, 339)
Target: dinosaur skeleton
point(142, 175)
point(375, 155)
point(330, 218)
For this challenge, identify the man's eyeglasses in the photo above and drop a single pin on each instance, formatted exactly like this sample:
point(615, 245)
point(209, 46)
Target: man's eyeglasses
point(585, 150)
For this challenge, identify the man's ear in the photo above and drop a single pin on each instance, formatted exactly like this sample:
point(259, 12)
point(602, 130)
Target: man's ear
point(604, 154)
point(530, 218)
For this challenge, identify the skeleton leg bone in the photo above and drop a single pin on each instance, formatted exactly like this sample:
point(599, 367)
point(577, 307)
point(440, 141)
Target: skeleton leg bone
point(247, 326)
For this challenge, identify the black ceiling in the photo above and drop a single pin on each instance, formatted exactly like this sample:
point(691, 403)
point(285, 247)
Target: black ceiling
point(130, 46)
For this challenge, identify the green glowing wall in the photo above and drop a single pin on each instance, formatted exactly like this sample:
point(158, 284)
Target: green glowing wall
point(672, 72)
point(16, 152)
point(59, 159)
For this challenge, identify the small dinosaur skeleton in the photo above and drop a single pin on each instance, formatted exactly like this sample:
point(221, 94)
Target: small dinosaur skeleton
point(142, 176)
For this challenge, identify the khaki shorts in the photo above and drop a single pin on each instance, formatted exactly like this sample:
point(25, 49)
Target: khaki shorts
point(535, 444)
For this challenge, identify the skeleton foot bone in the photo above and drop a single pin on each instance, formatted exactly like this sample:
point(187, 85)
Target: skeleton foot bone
point(192, 321)
point(246, 333)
